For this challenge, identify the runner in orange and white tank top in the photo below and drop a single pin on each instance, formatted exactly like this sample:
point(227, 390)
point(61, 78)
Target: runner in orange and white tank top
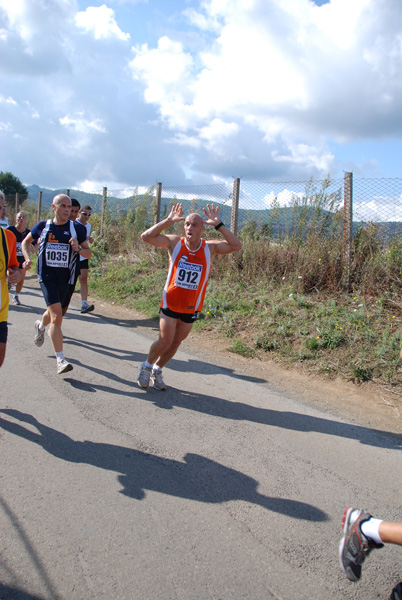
point(187, 279)
point(190, 259)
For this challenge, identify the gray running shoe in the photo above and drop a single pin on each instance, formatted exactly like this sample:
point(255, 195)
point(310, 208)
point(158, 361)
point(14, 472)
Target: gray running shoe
point(16, 300)
point(63, 366)
point(143, 377)
point(157, 381)
point(86, 308)
point(39, 335)
point(354, 545)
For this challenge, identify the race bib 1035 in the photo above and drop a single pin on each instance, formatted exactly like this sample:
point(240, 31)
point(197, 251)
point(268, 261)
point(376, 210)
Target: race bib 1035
point(57, 255)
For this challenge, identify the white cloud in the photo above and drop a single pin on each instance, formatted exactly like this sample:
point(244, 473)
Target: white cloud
point(378, 209)
point(166, 70)
point(91, 187)
point(204, 22)
point(101, 22)
point(8, 100)
point(283, 198)
point(340, 21)
point(295, 72)
point(264, 89)
point(305, 154)
point(128, 2)
point(217, 130)
point(182, 139)
point(80, 124)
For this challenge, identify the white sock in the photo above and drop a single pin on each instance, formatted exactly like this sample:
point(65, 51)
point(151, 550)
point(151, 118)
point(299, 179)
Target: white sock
point(147, 365)
point(370, 529)
point(59, 356)
point(41, 326)
point(156, 369)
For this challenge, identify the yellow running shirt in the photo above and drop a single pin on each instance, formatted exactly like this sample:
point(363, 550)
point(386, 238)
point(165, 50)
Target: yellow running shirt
point(8, 258)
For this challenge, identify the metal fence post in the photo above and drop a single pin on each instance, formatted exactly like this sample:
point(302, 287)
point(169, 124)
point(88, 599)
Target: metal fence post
point(103, 211)
point(17, 201)
point(157, 213)
point(347, 224)
point(39, 205)
point(235, 206)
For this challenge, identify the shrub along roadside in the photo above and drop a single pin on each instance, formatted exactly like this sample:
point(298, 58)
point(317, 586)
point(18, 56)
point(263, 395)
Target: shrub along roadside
point(282, 301)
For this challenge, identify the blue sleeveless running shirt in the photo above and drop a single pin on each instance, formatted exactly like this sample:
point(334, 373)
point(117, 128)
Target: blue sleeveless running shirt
point(57, 261)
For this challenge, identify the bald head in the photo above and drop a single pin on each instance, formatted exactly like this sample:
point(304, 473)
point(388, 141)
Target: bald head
point(194, 217)
point(61, 198)
point(193, 228)
point(62, 208)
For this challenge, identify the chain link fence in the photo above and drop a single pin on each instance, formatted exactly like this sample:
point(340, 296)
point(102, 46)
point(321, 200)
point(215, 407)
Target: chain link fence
point(373, 200)
point(378, 202)
point(277, 209)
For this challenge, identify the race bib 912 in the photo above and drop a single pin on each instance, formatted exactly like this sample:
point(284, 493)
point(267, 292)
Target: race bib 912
point(188, 275)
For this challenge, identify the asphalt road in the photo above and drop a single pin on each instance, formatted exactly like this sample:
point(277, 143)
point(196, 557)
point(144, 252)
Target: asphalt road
point(219, 488)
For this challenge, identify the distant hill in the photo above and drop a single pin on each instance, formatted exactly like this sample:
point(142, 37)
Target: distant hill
point(122, 204)
point(277, 220)
point(48, 195)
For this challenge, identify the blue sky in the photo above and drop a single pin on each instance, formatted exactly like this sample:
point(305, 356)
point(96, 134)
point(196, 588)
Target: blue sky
point(125, 93)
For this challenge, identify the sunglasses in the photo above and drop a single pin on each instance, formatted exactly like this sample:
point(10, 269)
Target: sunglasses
point(86, 214)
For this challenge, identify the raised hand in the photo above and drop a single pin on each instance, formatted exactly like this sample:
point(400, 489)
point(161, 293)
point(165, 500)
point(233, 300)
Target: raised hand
point(212, 215)
point(176, 213)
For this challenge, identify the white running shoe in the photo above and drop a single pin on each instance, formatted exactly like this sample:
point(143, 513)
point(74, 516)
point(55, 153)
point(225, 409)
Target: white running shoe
point(143, 377)
point(39, 335)
point(157, 381)
point(63, 366)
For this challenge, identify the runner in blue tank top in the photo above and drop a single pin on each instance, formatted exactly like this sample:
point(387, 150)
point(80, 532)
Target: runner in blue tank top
point(60, 242)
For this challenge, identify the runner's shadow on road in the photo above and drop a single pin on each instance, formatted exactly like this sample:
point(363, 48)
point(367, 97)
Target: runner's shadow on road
point(126, 386)
point(194, 478)
point(25, 308)
point(189, 366)
point(84, 386)
point(204, 368)
point(117, 353)
point(12, 593)
point(75, 313)
point(240, 411)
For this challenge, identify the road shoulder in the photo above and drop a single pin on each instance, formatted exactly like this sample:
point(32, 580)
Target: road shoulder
point(367, 404)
